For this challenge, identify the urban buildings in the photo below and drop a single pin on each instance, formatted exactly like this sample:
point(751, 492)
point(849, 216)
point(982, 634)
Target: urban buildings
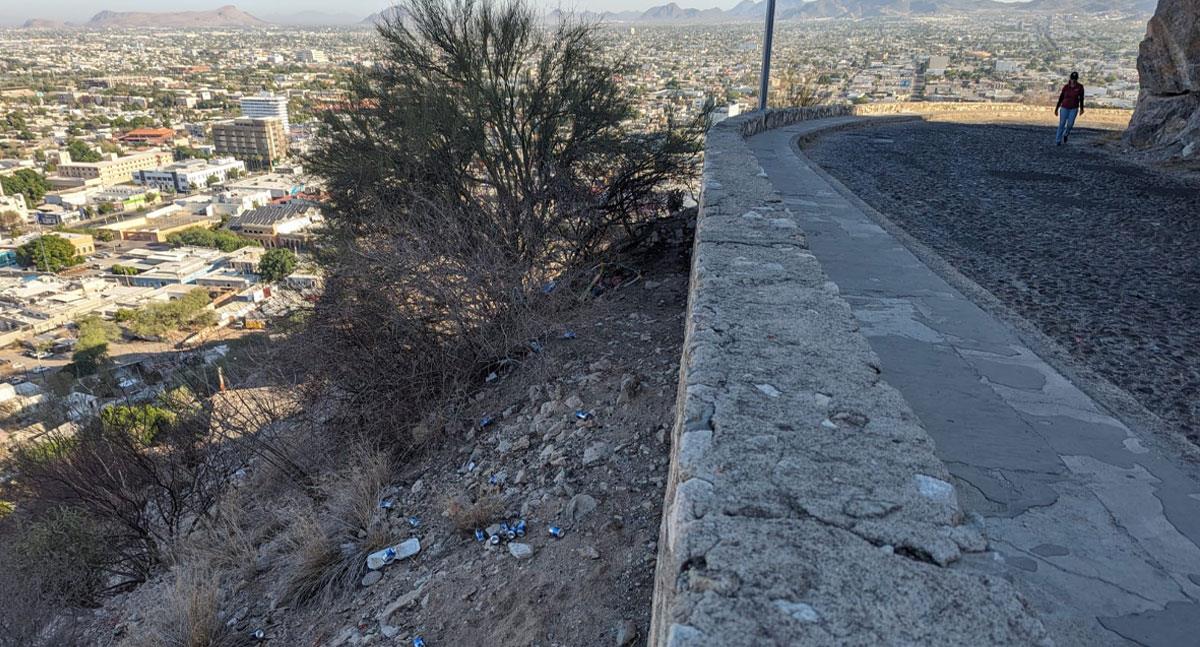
point(260, 142)
point(148, 137)
point(189, 175)
point(266, 105)
point(110, 171)
point(279, 225)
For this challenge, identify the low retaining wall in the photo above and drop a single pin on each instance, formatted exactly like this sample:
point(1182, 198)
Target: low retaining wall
point(805, 505)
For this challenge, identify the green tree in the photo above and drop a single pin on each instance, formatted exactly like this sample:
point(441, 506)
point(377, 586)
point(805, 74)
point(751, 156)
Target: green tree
point(142, 421)
point(93, 335)
point(276, 264)
point(221, 239)
point(28, 182)
point(124, 270)
point(212, 179)
point(81, 152)
point(49, 253)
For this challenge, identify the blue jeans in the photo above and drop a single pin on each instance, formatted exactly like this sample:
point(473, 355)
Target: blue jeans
point(1066, 121)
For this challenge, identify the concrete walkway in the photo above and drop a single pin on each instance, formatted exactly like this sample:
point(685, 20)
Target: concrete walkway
point(1098, 524)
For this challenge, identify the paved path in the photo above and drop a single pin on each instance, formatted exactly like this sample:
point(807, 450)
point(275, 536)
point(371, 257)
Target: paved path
point(1097, 523)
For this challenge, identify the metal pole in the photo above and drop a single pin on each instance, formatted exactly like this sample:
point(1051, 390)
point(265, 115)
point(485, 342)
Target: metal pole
point(765, 77)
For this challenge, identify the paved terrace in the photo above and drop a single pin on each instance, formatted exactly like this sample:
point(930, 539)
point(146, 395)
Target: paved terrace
point(834, 383)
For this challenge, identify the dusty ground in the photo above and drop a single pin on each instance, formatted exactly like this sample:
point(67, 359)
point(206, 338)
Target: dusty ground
point(600, 479)
point(1101, 253)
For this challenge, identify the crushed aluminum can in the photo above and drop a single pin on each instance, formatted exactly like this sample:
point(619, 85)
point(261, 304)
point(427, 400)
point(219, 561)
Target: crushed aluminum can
point(535, 345)
point(503, 527)
point(556, 532)
point(259, 634)
point(486, 421)
point(414, 521)
point(519, 528)
point(387, 504)
point(583, 415)
point(491, 377)
point(510, 535)
point(570, 334)
point(418, 642)
point(480, 535)
point(471, 466)
point(549, 287)
point(494, 540)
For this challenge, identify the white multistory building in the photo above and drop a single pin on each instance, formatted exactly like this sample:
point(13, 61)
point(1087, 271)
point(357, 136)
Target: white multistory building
point(267, 105)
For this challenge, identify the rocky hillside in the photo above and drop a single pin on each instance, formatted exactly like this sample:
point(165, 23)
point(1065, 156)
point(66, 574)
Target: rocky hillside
point(227, 16)
point(1167, 118)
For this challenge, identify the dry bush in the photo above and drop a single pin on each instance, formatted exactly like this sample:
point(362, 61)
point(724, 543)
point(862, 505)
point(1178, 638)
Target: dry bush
point(326, 552)
point(190, 615)
point(483, 156)
point(31, 615)
point(466, 514)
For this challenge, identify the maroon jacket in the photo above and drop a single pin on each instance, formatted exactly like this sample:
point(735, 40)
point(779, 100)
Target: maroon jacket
point(1071, 97)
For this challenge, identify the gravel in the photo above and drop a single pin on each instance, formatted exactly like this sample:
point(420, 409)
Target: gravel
point(1101, 254)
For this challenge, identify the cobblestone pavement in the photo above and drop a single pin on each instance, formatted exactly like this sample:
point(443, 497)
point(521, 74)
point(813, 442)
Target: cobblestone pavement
point(1096, 521)
point(1101, 255)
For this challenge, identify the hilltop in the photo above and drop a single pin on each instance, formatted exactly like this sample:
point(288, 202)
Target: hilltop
point(227, 16)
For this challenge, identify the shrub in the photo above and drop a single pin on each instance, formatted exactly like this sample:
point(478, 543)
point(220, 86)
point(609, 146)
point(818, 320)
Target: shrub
point(48, 253)
point(190, 614)
point(484, 157)
point(67, 553)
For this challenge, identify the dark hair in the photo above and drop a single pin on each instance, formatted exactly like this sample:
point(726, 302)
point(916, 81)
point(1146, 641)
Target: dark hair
point(1075, 75)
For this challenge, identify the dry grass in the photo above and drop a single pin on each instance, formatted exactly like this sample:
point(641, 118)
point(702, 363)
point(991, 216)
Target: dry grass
point(329, 544)
point(468, 515)
point(190, 615)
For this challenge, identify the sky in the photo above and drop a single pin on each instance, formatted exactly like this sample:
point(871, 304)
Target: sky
point(17, 11)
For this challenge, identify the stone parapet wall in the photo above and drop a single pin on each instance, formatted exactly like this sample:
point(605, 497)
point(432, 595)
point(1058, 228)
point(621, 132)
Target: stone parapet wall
point(805, 505)
point(751, 124)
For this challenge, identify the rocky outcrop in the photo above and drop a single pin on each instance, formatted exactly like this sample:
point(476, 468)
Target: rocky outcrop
point(1167, 118)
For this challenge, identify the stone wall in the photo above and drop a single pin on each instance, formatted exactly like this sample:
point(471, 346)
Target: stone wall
point(805, 505)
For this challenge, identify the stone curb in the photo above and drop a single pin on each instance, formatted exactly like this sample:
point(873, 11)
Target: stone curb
point(804, 504)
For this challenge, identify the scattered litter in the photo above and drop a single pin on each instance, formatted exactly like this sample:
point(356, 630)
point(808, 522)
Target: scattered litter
point(486, 421)
point(480, 535)
point(556, 532)
point(491, 377)
point(584, 415)
point(259, 635)
point(535, 345)
point(418, 642)
point(403, 550)
point(387, 503)
point(570, 334)
point(415, 522)
point(520, 528)
point(471, 466)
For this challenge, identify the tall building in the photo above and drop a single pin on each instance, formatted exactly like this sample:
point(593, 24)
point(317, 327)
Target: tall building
point(260, 142)
point(266, 105)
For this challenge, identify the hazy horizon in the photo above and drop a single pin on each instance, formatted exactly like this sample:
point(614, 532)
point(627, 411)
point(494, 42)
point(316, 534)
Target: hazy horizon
point(80, 11)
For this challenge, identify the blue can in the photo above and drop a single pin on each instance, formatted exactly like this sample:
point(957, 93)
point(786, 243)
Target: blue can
point(556, 532)
point(570, 334)
point(583, 415)
point(418, 642)
point(414, 521)
point(494, 540)
point(503, 526)
point(486, 421)
point(480, 535)
point(520, 528)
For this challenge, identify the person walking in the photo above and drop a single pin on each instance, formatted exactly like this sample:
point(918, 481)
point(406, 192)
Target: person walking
point(1069, 106)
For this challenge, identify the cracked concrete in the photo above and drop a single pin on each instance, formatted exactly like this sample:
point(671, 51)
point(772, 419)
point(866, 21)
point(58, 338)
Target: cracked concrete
point(1096, 522)
point(805, 503)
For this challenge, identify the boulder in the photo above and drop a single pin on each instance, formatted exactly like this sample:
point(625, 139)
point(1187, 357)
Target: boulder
point(1167, 117)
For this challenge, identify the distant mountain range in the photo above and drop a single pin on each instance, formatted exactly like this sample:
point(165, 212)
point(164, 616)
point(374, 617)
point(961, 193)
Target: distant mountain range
point(672, 13)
